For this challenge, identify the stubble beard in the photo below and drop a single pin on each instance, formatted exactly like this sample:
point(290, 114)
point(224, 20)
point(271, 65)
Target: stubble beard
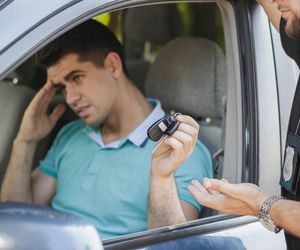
point(293, 29)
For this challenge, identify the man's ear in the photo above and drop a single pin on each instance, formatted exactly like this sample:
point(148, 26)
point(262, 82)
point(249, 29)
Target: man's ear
point(114, 63)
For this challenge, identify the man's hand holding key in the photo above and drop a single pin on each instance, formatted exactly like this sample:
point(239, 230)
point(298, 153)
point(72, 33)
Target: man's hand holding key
point(175, 148)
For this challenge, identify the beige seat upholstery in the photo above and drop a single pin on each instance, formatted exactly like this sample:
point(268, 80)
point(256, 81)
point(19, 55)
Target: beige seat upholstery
point(13, 102)
point(166, 25)
point(189, 76)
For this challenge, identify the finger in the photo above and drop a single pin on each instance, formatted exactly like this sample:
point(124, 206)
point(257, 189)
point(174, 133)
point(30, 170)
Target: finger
point(198, 196)
point(197, 185)
point(46, 89)
point(176, 149)
point(203, 197)
point(57, 113)
point(223, 179)
point(200, 187)
point(49, 86)
point(211, 191)
point(188, 120)
point(188, 129)
point(48, 97)
point(43, 97)
point(222, 187)
point(174, 143)
point(186, 139)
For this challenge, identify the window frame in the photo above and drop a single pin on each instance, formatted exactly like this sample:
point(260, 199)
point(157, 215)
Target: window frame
point(245, 101)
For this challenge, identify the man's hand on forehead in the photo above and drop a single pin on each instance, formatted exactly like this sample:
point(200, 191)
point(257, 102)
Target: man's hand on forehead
point(48, 86)
point(37, 123)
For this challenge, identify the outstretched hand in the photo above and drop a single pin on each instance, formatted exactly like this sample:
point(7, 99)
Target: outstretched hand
point(176, 148)
point(242, 199)
point(36, 123)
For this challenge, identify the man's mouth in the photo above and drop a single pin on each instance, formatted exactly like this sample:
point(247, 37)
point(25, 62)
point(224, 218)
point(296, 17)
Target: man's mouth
point(82, 111)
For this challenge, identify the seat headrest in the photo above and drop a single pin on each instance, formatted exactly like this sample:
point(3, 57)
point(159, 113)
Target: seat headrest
point(29, 73)
point(189, 76)
point(163, 23)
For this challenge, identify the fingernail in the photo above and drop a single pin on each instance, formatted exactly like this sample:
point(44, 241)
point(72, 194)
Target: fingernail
point(207, 183)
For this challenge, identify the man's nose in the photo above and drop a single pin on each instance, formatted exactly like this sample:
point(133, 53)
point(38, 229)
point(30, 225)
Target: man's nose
point(71, 96)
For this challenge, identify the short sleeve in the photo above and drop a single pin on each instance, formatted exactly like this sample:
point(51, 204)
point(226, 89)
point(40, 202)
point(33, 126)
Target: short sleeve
point(47, 165)
point(196, 167)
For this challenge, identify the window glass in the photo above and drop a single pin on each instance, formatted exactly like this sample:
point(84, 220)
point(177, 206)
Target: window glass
point(194, 81)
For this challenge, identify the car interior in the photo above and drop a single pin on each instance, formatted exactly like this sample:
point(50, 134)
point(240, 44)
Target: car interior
point(182, 58)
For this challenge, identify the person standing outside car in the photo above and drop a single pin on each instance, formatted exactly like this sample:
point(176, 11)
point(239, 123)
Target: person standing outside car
point(101, 166)
point(248, 199)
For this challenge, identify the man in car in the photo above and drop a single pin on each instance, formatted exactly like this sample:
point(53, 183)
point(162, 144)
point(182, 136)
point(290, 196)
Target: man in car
point(100, 166)
point(247, 199)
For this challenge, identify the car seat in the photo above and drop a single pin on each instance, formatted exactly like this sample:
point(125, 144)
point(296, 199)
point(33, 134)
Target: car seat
point(13, 102)
point(29, 74)
point(189, 76)
point(143, 34)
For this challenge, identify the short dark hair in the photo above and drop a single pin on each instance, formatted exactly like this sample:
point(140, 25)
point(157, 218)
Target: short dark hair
point(91, 41)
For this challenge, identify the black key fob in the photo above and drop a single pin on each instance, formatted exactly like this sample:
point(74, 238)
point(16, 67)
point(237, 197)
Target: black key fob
point(164, 126)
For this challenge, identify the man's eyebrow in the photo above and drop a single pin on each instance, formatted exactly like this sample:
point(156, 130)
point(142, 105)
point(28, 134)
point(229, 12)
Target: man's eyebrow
point(73, 72)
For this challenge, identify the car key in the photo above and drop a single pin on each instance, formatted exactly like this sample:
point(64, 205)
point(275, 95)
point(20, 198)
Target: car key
point(162, 128)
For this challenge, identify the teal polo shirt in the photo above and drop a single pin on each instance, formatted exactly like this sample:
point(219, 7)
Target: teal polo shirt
point(108, 184)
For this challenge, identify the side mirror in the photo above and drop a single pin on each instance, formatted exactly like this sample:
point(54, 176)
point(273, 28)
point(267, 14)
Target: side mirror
point(26, 226)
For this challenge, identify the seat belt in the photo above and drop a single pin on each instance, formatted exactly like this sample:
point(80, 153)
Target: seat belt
point(218, 156)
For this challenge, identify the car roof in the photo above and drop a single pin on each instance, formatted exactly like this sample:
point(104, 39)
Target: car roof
point(29, 23)
point(19, 17)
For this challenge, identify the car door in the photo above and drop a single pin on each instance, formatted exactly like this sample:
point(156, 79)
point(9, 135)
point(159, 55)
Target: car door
point(249, 129)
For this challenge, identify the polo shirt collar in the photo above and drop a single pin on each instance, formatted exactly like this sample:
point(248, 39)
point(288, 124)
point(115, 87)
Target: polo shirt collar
point(138, 136)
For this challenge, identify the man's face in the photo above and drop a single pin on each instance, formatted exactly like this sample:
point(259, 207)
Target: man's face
point(290, 10)
point(89, 90)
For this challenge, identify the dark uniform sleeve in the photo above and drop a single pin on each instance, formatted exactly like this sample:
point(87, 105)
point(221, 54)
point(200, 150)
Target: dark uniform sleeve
point(292, 49)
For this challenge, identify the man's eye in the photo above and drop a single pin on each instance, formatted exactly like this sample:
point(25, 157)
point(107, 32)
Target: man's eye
point(77, 78)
